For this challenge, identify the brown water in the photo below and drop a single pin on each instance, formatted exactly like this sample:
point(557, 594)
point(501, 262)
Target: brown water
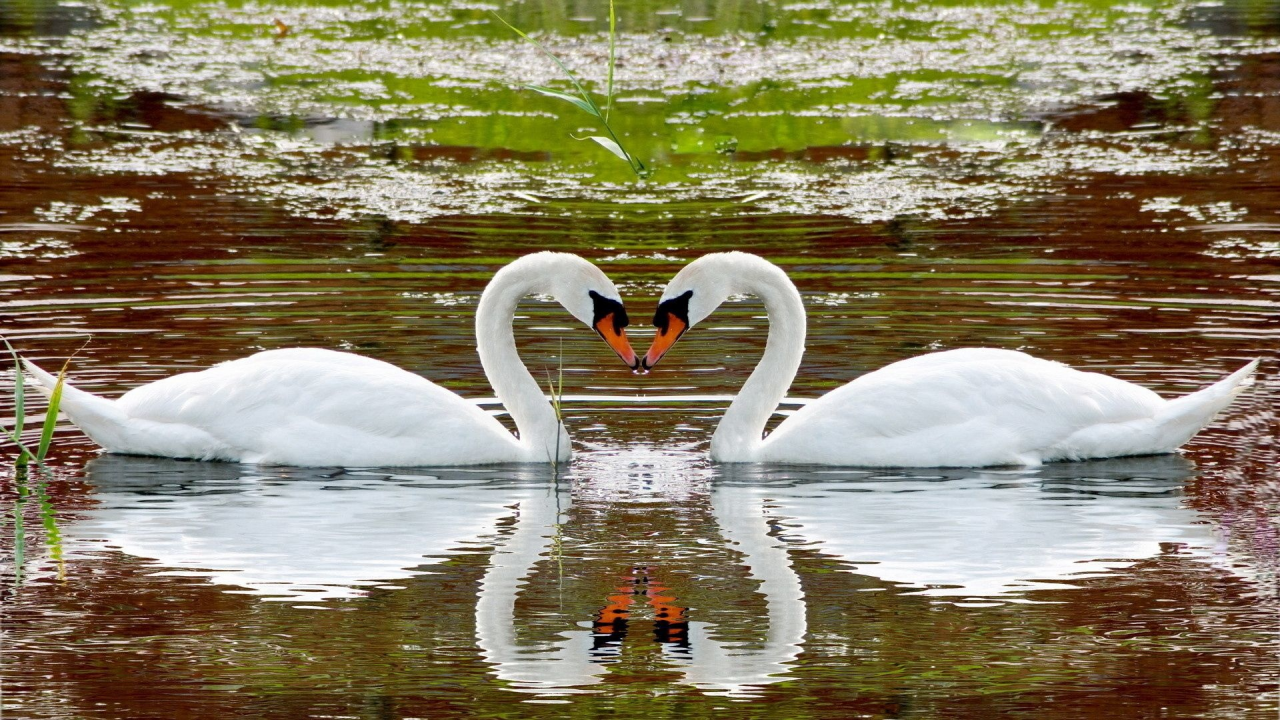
point(1094, 184)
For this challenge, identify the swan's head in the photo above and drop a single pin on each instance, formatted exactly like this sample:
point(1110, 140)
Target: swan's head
point(589, 295)
point(694, 293)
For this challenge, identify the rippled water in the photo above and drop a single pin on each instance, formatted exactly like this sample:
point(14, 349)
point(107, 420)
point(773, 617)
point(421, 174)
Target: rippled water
point(188, 182)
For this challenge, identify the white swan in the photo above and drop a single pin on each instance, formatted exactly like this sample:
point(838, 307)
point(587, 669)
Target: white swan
point(308, 406)
point(973, 407)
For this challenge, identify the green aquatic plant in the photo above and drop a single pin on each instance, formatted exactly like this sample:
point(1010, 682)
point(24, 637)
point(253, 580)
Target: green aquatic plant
point(25, 454)
point(556, 391)
point(26, 457)
point(19, 410)
point(51, 413)
point(583, 99)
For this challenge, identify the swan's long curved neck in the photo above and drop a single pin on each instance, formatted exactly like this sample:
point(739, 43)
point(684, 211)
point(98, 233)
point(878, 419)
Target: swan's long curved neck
point(741, 431)
point(511, 380)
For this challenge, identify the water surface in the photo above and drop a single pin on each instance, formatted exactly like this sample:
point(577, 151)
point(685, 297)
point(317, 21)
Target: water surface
point(189, 182)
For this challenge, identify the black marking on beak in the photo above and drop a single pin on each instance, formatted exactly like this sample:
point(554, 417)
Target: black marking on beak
point(677, 306)
point(605, 307)
point(610, 321)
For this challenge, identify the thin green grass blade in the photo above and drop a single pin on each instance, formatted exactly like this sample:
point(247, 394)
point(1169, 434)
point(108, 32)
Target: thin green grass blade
point(556, 390)
point(555, 406)
point(636, 165)
point(51, 415)
point(555, 399)
point(19, 391)
point(609, 145)
point(16, 439)
point(19, 401)
point(21, 448)
point(568, 73)
point(608, 90)
point(560, 380)
point(612, 145)
point(589, 109)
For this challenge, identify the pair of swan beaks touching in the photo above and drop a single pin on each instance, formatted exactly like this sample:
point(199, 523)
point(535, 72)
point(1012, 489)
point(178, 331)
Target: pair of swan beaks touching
point(971, 407)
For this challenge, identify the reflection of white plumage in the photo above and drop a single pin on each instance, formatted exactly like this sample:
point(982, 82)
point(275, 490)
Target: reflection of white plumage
point(562, 666)
point(296, 534)
point(304, 535)
point(962, 408)
point(308, 406)
point(565, 665)
point(983, 533)
point(717, 666)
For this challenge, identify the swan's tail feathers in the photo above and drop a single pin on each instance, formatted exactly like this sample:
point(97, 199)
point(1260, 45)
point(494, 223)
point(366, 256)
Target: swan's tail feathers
point(101, 419)
point(44, 381)
point(1181, 418)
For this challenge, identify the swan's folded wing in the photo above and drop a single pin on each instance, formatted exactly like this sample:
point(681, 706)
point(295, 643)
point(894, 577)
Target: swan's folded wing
point(964, 407)
point(317, 407)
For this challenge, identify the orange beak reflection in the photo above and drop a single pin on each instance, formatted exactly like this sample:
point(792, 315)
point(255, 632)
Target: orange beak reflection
point(617, 340)
point(663, 341)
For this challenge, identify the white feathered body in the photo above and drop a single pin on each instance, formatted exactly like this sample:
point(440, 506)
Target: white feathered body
point(300, 406)
point(985, 407)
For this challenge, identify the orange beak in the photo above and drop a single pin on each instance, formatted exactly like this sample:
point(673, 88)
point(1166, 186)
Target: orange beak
point(617, 340)
point(663, 341)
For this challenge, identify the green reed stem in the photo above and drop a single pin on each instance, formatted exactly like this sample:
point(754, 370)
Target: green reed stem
point(557, 392)
point(25, 454)
point(583, 100)
point(51, 414)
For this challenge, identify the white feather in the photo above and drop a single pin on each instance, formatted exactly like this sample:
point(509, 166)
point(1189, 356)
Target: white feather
point(312, 407)
point(972, 407)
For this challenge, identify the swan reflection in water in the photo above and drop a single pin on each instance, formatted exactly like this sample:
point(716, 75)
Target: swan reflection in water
point(986, 533)
point(582, 658)
point(296, 533)
point(972, 534)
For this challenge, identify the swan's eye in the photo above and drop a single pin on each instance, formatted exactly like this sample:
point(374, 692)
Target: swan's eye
point(605, 307)
point(677, 306)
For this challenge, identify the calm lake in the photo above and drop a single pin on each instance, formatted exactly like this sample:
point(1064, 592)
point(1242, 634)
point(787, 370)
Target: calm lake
point(186, 182)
